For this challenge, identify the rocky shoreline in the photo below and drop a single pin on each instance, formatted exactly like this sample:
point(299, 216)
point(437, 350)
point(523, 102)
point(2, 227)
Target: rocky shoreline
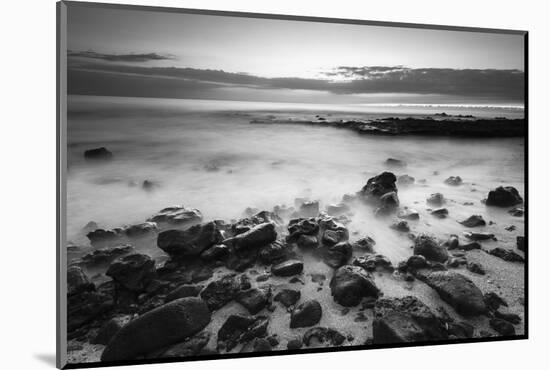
point(289, 278)
point(440, 125)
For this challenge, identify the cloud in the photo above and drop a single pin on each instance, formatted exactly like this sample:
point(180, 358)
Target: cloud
point(119, 57)
point(472, 83)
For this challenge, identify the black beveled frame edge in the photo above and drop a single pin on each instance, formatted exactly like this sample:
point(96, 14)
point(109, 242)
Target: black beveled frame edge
point(61, 261)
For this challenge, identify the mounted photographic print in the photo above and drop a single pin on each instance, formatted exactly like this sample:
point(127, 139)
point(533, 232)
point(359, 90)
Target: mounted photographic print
point(238, 184)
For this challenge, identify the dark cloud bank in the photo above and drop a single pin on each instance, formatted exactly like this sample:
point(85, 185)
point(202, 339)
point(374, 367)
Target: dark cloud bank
point(87, 77)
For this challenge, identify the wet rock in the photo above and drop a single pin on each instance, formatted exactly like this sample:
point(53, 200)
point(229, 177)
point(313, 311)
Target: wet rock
point(98, 154)
point(338, 254)
point(178, 215)
point(85, 307)
point(374, 262)
point(307, 242)
point(134, 271)
point(520, 243)
point(241, 329)
point(436, 199)
point(337, 209)
point(254, 300)
point(184, 291)
point(417, 262)
point(78, 281)
point(256, 237)
point(401, 226)
point(306, 314)
point(110, 329)
point(388, 202)
point(287, 268)
point(479, 236)
point(287, 297)
point(403, 320)
point(506, 196)
point(379, 185)
point(405, 180)
point(105, 256)
point(473, 221)
point(273, 252)
point(476, 268)
point(140, 229)
point(294, 344)
point(453, 181)
point(220, 292)
point(331, 237)
point(494, 301)
point(323, 337)
point(506, 254)
point(365, 244)
point(302, 226)
point(350, 284)
point(101, 235)
point(502, 327)
point(392, 162)
point(165, 325)
point(309, 209)
point(215, 253)
point(455, 262)
point(470, 246)
point(408, 214)
point(517, 212)
point(190, 347)
point(452, 242)
point(440, 213)
point(191, 242)
point(458, 291)
point(427, 246)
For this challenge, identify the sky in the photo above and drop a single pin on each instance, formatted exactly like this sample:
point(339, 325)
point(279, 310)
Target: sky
point(143, 53)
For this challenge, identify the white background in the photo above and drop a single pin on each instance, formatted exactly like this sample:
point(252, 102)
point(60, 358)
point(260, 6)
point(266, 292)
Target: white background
point(28, 182)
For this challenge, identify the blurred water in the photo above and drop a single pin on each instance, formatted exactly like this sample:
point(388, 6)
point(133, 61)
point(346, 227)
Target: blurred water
point(206, 155)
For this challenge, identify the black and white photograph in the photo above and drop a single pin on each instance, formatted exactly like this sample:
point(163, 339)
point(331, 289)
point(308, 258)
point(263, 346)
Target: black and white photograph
point(252, 184)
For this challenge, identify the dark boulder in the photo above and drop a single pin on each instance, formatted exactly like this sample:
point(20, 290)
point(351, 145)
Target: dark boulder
point(427, 246)
point(216, 252)
point(307, 242)
point(453, 181)
point(474, 221)
point(109, 329)
point(401, 226)
point(404, 320)
point(374, 262)
point(101, 154)
point(417, 262)
point(506, 254)
point(458, 291)
point(494, 301)
point(517, 211)
point(287, 297)
point(273, 252)
point(160, 327)
point(144, 228)
point(101, 235)
point(392, 162)
point(350, 284)
point(365, 244)
point(184, 291)
point(502, 327)
point(476, 268)
point(241, 329)
point(306, 314)
point(78, 281)
point(294, 344)
point(288, 268)
point(191, 242)
point(190, 347)
point(323, 337)
point(452, 242)
point(440, 213)
point(256, 237)
point(388, 203)
point(220, 292)
point(134, 271)
point(302, 226)
point(254, 300)
point(470, 246)
point(379, 185)
point(506, 196)
point(337, 255)
point(105, 256)
point(461, 330)
point(86, 306)
point(436, 199)
point(508, 316)
point(178, 215)
point(479, 236)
